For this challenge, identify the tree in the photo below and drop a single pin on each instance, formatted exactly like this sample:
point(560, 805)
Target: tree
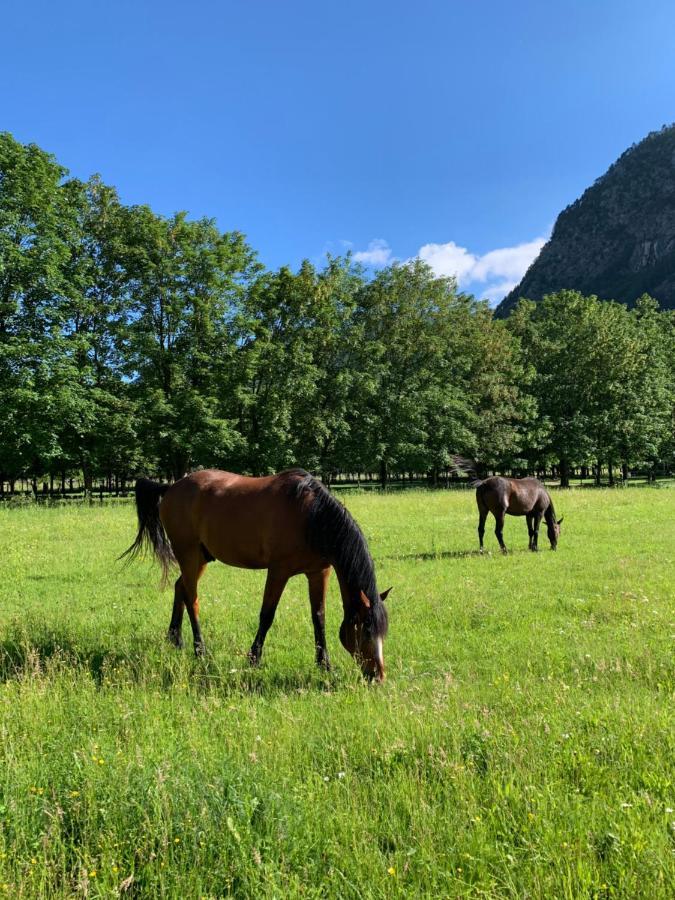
point(186, 279)
point(601, 378)
point(36, 229)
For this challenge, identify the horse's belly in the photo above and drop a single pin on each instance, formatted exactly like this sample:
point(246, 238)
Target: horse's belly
point(242, 561)
point(239, 553)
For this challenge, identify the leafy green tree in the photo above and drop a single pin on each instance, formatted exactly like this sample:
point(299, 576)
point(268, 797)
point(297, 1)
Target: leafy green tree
point(445, 374)
point(601, 378)
point(276, 370)
point(644, 430)
point(325, 414)
point(557, 337)
point(36, 228)
point(186, 280)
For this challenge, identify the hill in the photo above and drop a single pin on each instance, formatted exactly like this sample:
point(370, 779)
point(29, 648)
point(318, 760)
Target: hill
point(618, 239)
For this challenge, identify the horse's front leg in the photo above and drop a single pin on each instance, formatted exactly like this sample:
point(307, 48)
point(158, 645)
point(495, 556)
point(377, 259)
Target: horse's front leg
point(274, 587)
point(530, 532)
point(535, 539)
point(318, 586)
point(176, 625)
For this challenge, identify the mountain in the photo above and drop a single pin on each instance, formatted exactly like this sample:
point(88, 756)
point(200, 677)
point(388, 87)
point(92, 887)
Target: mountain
point(618, 239)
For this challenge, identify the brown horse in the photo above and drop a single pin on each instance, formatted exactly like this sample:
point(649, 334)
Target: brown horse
point(288, 524)
point(516, 497)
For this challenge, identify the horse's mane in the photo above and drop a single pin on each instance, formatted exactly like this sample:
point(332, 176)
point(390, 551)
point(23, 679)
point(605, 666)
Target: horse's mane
point(333, 533)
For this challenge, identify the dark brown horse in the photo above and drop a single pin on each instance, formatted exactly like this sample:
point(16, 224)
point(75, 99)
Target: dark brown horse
point(288, 524)
point(514, 497)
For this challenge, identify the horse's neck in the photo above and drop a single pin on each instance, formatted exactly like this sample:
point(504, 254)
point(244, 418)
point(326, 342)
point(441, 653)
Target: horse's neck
point(349, 592)
point(345, 593)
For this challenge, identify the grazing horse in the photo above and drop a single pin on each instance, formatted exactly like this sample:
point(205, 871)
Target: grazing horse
point(516, 497)
point(288, 524)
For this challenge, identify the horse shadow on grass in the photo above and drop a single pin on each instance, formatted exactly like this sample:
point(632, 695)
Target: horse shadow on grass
point(435, 555)
point(26, 656)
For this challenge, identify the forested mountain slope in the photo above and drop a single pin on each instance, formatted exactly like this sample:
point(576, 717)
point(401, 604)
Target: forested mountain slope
point(618, 239)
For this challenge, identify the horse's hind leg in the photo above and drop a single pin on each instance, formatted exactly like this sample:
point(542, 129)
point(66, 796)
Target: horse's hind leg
point(482, 516)
point(500, 515)
point(192, 566)
point(318, 585)
point(176, 624)
point(274, 587)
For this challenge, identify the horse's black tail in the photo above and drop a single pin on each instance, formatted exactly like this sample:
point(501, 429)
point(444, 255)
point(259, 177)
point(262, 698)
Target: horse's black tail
point(463, 466)
point(151, 534)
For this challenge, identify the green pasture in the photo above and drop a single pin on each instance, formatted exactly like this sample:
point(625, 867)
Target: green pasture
point(523, 744)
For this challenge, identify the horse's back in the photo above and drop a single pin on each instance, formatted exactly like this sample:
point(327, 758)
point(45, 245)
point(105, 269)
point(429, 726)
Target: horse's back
point(491, 491)
point(516, 496)
point(241, 520)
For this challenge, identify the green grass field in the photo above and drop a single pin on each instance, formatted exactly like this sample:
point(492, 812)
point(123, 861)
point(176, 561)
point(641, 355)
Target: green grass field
point(522, 746)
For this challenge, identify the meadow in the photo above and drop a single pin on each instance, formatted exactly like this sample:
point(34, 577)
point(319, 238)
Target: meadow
point(523, 744)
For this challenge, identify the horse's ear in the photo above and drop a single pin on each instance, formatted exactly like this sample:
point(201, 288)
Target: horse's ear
point(384, 595)
point(560, 520)
point(365, 601)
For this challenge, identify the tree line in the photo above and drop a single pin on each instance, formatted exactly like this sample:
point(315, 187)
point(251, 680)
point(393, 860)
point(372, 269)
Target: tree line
point(134, 342)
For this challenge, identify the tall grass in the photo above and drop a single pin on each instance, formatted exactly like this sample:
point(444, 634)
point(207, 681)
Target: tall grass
point(522, 745)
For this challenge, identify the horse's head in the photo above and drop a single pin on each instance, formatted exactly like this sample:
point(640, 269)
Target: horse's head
point(362, 633)
point(554, 532)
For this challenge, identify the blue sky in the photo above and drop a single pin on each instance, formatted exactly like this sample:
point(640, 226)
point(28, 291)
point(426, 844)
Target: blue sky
point(454, 129)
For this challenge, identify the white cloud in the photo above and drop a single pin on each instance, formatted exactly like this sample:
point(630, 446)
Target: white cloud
point(448, 259)
point(377, 254)
point(490, 275)
point(496, 292)
point(507, 264)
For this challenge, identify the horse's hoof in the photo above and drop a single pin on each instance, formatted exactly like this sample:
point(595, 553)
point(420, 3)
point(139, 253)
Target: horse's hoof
point(323, 663)
point(253, 659)
point(174, 638)
point(200, 649)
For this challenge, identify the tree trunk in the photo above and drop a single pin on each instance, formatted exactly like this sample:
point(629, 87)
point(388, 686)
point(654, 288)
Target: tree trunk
point(383, 473)
point(564, 473)
point(624, 471)
point(598, 474)
point(610, 471)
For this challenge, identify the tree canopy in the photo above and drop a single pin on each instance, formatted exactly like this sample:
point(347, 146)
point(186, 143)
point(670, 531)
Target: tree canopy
point(133, 342)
